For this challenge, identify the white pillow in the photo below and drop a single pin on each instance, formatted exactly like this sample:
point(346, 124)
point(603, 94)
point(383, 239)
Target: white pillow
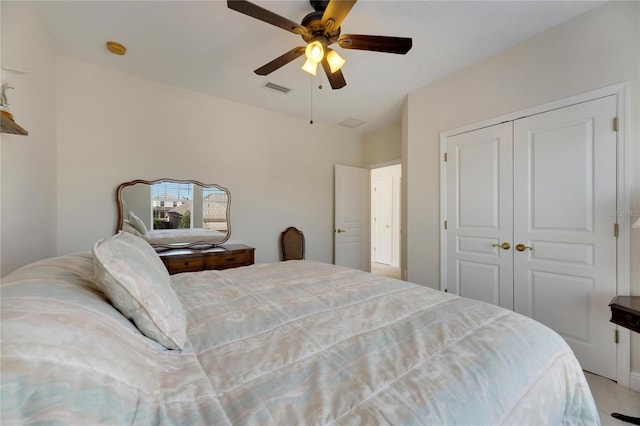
point(136, 281)
point(126, 226)
point(137, 223)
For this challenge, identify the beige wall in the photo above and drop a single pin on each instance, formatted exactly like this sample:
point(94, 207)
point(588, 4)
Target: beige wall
point(114, 127)
point(383, 145)
point(594, 50)
point(28, 167)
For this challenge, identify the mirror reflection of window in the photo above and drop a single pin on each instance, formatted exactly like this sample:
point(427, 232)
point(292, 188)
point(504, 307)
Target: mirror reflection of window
point(172, 203)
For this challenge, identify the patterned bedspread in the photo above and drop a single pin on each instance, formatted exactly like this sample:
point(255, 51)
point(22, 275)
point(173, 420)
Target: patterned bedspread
point(297, 342)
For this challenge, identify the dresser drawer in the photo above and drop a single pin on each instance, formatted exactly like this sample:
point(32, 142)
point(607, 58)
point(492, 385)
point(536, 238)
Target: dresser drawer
point(219, 257)
point(229, 260)
point(175, 265)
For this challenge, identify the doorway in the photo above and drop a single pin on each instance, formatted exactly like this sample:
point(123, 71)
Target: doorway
point(385, 220)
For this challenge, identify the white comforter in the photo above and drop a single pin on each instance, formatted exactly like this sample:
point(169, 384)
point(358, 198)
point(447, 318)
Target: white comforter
point(295, 342)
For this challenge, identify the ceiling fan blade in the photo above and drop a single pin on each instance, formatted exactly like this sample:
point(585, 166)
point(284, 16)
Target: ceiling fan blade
point(280, 61)
point(265, 15)
point(335, 13)
point(336, 79)
point(399, 45)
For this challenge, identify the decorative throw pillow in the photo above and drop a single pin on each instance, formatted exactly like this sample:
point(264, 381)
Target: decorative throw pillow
point(126, 226)
point(136, 281)
point(137, 223)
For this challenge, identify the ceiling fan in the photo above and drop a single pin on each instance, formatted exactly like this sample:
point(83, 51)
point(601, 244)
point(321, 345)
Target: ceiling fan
point(320, 29)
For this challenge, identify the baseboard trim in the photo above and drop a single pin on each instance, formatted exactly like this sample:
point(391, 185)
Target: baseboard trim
point(634, 381)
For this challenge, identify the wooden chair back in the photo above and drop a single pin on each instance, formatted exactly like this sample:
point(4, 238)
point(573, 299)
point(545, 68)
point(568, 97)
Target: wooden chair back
point(292, 244)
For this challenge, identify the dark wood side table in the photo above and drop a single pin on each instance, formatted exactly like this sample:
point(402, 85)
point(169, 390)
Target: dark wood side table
point(219, 257)
point(625, 311)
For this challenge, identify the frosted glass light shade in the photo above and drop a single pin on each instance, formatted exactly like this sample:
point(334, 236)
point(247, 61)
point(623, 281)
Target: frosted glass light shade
point(335, 61)
point(310, 67)
point(314, 51)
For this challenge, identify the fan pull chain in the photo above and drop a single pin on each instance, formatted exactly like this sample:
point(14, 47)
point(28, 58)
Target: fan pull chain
point(311, 101)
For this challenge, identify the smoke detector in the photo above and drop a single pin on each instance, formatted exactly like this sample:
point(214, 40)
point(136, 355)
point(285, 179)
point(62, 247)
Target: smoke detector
point(116, 48)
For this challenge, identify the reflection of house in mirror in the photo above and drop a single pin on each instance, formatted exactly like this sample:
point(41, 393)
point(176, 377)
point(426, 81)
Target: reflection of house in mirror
point(214, 208)
point(170, 202)
point(179, 216)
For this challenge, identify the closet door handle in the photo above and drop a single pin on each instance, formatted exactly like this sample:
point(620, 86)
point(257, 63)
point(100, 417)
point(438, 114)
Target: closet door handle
point(504, 246)
point(522, 247)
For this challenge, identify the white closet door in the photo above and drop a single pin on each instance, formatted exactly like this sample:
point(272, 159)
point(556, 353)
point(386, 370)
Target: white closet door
point(383, 219)
point(479, 215)
point(565, 190)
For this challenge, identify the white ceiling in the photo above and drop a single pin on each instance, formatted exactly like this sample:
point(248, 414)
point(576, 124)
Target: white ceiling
point(206, 47)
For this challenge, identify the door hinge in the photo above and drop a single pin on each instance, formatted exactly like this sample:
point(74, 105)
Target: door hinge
point(445, 224)
point(615, 230)
point(445, 156)
point(615, 124)
point(616, 337)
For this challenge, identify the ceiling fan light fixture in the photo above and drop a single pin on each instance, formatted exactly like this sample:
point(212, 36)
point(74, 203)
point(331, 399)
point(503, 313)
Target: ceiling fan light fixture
point(335, 61)
point(320, 29)
point(310, 67)
point(314, 51)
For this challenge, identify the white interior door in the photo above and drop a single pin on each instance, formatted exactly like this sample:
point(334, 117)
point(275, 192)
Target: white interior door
point(565, 180)
point(479, 215)
point(383, 220)
point(351, 232)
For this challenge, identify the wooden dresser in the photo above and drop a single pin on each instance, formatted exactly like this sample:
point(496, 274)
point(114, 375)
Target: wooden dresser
point(220, 257)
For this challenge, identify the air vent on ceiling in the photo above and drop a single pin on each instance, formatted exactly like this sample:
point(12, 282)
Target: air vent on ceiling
point(277, 88)
point(351, 122)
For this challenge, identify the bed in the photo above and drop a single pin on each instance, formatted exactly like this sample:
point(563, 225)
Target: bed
point(289, 343)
